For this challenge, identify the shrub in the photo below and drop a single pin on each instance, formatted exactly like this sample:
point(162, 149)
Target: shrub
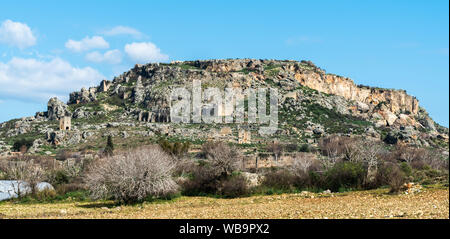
point(45, 195)
point(132, 176)
point(214, 175)
point(305, 148)
point(70, 187)
point(22, 145)
point(176, 149)
point(390, 139)
point(391, 174)
point(203, 181)
point(279, 179)
point(235, 186)
point(419, 158)
point(303, 163)
point(58, 177)
point(404, 166)
point(291, 147)
point(345, 175)
point(419, 165)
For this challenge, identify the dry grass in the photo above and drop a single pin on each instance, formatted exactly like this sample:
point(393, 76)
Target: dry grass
point(430, 203)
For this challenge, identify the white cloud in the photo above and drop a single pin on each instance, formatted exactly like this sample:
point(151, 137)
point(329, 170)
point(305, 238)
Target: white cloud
point(111, 57)
point(123, 30)
point(31, 79)
point(145, 52)
point(95, 42)
point(16, 34)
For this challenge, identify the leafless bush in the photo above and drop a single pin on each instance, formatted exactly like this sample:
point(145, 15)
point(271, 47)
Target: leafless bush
point(435, 159)
point(303, 163)
point(302, 166)
point(222, 158)
point(132, 176)
point(333, 148)
point(27, 173)
point(420, 157)
point(75, 167)
point(409, 154)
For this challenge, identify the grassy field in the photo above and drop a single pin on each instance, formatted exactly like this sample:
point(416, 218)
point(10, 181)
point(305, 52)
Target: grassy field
point(430, 203)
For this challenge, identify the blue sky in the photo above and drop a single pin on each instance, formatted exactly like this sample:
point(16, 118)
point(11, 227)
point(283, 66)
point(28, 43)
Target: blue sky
point(51, 48)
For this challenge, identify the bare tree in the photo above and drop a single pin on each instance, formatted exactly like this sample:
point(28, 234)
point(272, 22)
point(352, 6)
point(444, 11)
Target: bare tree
point(222, 158)
point(132, 176)
point(331, 148)
point(367, 152)
point(275, 148)
point(409, 154)
point(435, 159)
point(303, 163)
point(26, 174)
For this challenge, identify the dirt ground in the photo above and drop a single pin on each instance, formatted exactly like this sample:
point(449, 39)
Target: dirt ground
point(429, 203)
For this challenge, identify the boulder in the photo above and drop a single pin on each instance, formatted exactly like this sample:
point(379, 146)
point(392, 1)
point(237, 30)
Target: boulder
point(56, 137)
point(362, 107)
point(404, 120)
point(428, 123)
point(389, 117)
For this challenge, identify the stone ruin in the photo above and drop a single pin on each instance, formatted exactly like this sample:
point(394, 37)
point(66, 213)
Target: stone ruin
point(65, 123)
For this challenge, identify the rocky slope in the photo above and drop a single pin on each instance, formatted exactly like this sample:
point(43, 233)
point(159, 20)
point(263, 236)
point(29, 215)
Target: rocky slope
point(314, 104)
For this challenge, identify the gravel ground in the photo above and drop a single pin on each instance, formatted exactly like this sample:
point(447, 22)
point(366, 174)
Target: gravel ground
point(429, 203)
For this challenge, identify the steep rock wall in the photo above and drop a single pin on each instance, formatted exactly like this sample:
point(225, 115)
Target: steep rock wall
point(397, 101)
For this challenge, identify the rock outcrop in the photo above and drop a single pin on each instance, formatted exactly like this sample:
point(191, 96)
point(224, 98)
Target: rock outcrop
point(83, 96)
point(56, 109)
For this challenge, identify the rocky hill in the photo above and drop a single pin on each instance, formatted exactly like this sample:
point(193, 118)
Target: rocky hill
point(134, 109)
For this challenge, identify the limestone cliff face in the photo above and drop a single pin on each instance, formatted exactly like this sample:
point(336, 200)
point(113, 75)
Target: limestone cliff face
point(397, 101)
